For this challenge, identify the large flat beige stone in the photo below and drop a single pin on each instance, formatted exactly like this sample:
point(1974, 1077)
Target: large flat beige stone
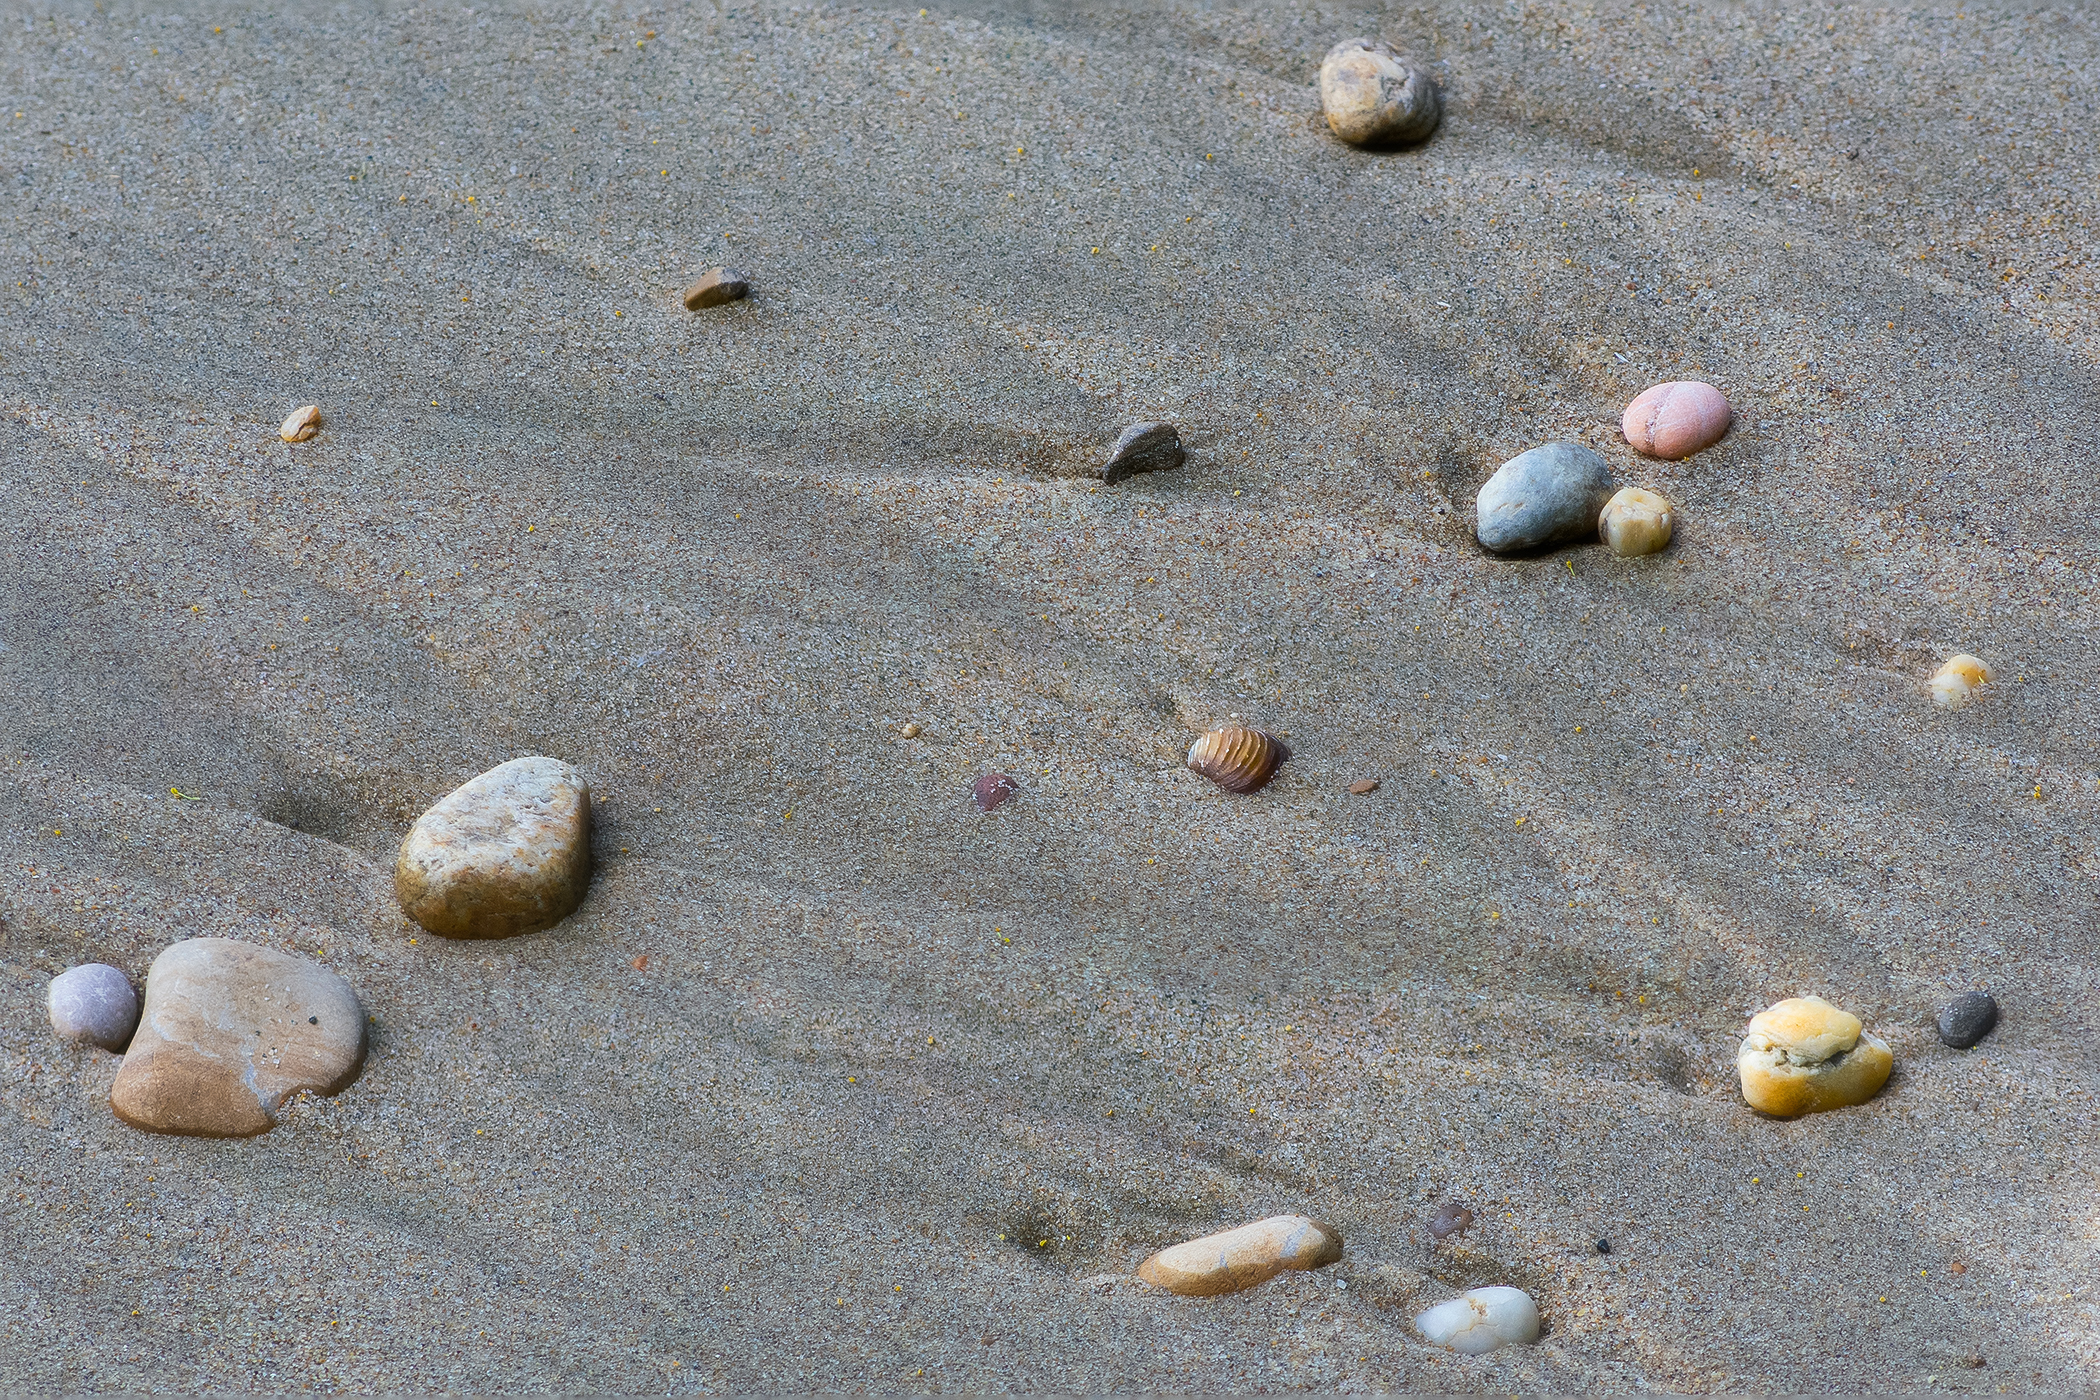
point(231, 1031)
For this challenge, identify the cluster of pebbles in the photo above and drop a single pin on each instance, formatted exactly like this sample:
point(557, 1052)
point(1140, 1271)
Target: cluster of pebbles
point(227, 1032)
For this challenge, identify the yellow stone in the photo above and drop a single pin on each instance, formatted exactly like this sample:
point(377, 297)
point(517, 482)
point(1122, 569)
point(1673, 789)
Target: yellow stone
point(1636, 522)
point(1803, 1055)
point(1235, 1259)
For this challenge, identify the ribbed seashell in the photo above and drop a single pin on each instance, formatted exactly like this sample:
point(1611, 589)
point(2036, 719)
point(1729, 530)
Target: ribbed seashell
point(1237, 759)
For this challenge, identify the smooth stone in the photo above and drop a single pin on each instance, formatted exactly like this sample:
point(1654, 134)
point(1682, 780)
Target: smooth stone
point(1236, 1259)
point(718, 286)
point(1956, 682)
point(301, 423)
point(992, 790)
point(506, 853)
point(1482, 1320)
point(1373, 96)
point(230, 1032)
point(94, 1004)
point(1636, 522)
point(1677, 419)
point(1143, 447)
point(1541, 497)
point(1803, 1055)
point(1968, 1018)
point(1451, 1218)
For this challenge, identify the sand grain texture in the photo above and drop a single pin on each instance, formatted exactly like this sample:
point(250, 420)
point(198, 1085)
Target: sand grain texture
point(815, 1090)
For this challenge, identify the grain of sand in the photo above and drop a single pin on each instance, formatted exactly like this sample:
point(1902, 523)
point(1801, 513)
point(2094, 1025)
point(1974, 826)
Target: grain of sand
point(834, 1081)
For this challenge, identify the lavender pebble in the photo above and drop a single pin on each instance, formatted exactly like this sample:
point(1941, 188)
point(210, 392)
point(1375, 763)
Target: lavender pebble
point(95, 1004)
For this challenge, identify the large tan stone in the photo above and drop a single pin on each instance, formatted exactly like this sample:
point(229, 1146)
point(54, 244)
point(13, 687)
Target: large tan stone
point(1803, 1055)
point(505, 854)
point(1235, 1259)
point(230, 1031)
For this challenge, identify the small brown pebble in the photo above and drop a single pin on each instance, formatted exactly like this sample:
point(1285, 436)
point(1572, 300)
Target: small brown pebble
point(1972, 1362)
point(1451, 1219)
point(716, 287)
point(991, 790)
point(1364, 785)
point(641, 964)
point(1957, 1267)
point(302, 423)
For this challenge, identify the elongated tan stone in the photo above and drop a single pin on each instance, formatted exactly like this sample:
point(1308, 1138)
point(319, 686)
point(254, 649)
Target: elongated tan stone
point(1241, 1258)
point(301, 423)
point(506, 853)
point(1803, 1055)
point(231, 1031)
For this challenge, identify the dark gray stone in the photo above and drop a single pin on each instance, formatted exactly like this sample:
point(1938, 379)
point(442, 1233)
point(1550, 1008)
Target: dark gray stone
point(1967, 1019)
point(1144, 447)
point(1541, 497)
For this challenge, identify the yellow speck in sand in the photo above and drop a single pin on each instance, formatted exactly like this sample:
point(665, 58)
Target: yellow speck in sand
point(929, 1040)
point(1520, 821)
point(1753, 1181)
point(1494, 913)
point(1097, 250)
point(896, 1288)
point(851, 1079)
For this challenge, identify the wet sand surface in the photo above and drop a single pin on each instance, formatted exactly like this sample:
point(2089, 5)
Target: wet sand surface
point(834, 1082)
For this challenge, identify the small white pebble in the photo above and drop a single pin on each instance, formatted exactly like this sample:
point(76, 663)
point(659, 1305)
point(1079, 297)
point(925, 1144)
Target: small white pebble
point(1482, 1320)
point(1958, 680)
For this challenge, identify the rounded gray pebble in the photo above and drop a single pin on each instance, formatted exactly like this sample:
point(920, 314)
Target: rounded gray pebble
point(95, 1004)
point(1541, 497)
point(1967, 1019)
point(1144, 447)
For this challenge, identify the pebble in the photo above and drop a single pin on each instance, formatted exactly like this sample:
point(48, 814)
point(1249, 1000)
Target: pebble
point(1604, 1246)
point(1364, 786)
point(1143, 447)
point(1966, 1019)
point(302, 424)
point(1373, 96)
point(1803, 1055)
point(1541, 497)
point(506, 853)
point(1236, 758)
point(1451, 1219)
point(911, 730)
point(94, 1004)
point(230, 1032)
point(992, 790)
point(1236, 1259)
point(1675, 420)
point(1482, 1320)
point(717, 286)
point(1636, 522)
point(1957, 681)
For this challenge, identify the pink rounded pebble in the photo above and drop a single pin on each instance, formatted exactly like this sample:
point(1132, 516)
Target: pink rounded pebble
point(1676, 420)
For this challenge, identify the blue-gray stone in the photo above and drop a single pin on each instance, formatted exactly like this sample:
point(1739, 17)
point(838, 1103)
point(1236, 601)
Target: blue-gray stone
point(1541, 497)
point(1143, 447)
point(1968, 1019)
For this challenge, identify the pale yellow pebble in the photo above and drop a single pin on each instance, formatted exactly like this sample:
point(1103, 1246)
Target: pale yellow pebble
point(1957, 681)
point(1636, 522)
point(302, 423)
point(1803, 1055)
point(1233, 1260)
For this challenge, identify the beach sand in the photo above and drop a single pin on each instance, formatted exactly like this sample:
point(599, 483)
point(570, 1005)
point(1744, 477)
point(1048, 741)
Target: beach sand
point(834, 1082)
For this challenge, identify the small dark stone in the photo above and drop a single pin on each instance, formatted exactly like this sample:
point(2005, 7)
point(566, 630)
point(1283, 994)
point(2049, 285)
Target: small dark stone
point(717, 286)
point(1967, 1019)
point(1451, 1219)
point(313, 1020)
point(1604, 1246)
point(1144, 447)
point(993, 789)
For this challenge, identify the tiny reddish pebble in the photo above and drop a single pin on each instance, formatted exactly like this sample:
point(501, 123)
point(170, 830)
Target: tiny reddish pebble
point(992, 789)
point(1675, 420)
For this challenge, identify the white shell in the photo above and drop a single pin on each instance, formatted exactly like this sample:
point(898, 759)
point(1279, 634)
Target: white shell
point(1482, 1320)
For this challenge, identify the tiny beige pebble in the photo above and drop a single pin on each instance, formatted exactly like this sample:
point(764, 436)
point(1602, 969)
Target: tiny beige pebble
point(1958, 680)
point(911, 731)
point(1636, 522)
point(1364, 785)
point(716, 287)
point(302, 423)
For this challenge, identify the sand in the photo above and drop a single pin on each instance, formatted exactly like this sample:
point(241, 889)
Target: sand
point(835, 1082)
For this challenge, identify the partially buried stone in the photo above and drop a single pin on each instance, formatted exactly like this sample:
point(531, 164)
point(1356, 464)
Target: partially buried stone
point(717, 287)
point(301, 423)
point(1373, 96)
point(1482, 1320)
point(1235, 1259)
point(1451, 1219)
point(506, 853)
point(1541, 497)
point(1967, 1019)
point(992, 790)
point(94, 1004)
point(1364, 786)
point(1143, 447)
point(230, 1032)
point(1803, 1055)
